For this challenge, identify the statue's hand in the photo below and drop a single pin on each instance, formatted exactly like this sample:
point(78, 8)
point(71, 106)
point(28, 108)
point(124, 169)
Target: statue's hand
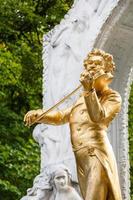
point(87, 80)
point(31, 116)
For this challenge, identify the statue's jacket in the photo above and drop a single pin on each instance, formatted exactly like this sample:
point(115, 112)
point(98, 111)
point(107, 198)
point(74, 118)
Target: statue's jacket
point(89, 119)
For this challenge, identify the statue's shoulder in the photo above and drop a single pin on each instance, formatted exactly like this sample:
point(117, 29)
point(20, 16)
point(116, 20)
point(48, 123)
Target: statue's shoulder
point(114, 95)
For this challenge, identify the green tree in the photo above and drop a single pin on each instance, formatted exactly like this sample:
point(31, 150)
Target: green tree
point(130, 129)
point(22, 25)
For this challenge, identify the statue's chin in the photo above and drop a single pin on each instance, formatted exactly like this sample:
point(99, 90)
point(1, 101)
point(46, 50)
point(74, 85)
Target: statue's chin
point(62, 187)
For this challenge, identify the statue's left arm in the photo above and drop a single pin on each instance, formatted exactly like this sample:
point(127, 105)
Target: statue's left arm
point(56, 117)
point(98, 111)
point(53, 117)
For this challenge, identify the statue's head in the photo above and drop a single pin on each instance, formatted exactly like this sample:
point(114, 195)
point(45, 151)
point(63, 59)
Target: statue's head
point(98, 61)
point(101, 66)
point(61, 179)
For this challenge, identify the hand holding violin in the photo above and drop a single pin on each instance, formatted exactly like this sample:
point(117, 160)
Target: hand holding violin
point(87, 80)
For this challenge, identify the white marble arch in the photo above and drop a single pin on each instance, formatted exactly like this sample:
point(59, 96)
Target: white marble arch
point(64, 49)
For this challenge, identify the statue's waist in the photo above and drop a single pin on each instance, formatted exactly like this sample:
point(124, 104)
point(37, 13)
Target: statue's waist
point(89, 149)
point(87, 131)
point(90, 144)
point(86, 136)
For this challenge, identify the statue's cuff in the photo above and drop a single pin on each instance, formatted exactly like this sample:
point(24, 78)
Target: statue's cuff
point(87, 93)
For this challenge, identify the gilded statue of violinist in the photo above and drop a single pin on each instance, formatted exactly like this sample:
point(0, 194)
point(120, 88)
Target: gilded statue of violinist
point(89, 119)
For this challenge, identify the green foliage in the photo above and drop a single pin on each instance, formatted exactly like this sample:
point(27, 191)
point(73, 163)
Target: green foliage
point(22, 25)
point(130, 128)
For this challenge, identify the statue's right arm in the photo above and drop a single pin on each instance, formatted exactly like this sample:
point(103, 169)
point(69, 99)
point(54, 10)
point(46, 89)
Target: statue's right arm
point(110, 106)
point(52, 118)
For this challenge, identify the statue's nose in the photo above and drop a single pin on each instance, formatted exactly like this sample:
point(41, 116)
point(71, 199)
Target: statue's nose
point(62, 182)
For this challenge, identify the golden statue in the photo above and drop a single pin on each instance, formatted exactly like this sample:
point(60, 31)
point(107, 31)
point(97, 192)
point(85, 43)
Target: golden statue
point(89, 119)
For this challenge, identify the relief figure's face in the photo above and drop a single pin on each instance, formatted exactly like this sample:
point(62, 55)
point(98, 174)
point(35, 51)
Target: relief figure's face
point(61, 180)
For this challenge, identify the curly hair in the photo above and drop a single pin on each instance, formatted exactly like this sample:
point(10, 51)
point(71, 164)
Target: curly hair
point(107, 64)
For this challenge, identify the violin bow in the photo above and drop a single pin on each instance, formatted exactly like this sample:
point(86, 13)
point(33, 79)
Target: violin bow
point(57, 104)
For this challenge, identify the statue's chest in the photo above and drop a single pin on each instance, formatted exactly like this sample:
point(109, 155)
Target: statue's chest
point(80, 113)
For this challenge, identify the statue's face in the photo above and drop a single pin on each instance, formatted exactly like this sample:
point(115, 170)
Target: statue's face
point(94, 61)
point(95, 67)
point(61, 180)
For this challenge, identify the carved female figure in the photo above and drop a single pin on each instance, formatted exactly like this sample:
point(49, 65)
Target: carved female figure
point(89, 119)
point(62, 186)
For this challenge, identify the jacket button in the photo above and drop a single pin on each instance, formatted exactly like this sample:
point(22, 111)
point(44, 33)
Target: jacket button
point(78, 129)
point(81, 112)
